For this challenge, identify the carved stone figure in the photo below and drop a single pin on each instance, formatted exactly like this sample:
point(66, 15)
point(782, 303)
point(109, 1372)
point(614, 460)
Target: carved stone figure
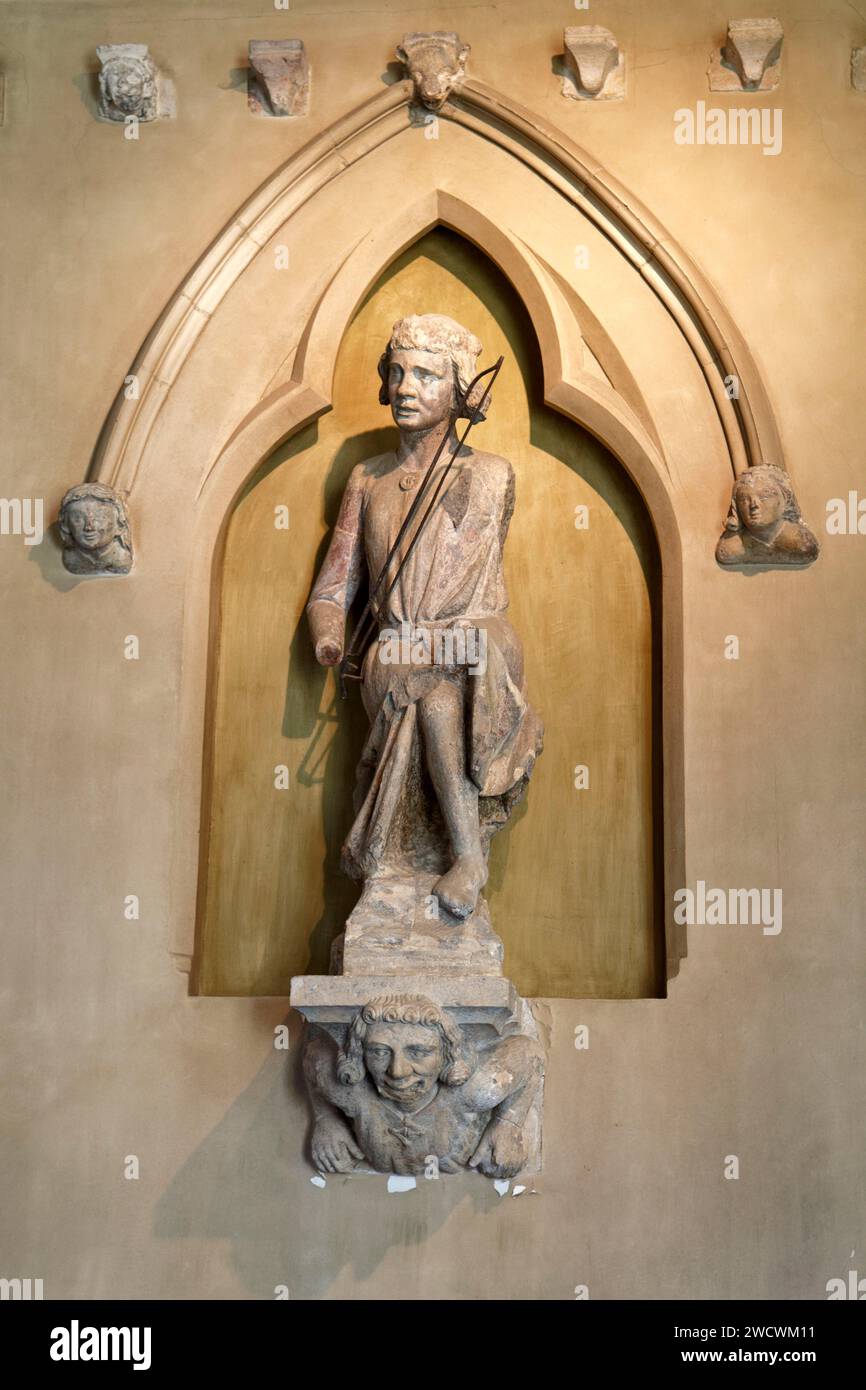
point(408, 1087)
point(594, 65)
point(452, 741)
point(764, 525)
point(279, 83)
point(128, 82)
point(94, 528)
point(436, 63)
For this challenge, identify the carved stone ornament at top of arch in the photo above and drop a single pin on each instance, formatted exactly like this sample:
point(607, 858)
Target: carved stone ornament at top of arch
point(747, 420)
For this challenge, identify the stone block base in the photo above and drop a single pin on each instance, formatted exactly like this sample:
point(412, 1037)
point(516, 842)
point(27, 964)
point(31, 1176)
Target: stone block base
point(398, 928)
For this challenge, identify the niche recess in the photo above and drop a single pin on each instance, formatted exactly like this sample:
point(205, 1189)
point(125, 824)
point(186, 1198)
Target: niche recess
point(576, 879)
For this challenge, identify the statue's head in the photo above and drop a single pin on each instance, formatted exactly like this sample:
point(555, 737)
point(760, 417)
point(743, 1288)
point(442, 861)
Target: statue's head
point(128, 82)
point(407, 1045)
point(435, 62)
point(425, 370)
point(762, 498)
point(92, 517)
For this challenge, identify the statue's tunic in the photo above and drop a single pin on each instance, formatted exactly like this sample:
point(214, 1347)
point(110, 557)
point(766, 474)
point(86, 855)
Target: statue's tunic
point(453, 578)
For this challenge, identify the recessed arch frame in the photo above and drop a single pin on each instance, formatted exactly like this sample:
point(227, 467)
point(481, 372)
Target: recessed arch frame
point(611, 403)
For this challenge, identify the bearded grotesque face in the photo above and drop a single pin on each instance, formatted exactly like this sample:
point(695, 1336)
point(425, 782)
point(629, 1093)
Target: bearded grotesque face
point(435, 63)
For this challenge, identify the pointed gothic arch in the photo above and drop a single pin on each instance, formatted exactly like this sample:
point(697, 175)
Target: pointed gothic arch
point(344, 207)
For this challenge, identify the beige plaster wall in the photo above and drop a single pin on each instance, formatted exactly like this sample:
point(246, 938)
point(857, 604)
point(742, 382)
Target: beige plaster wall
point(757, 1051)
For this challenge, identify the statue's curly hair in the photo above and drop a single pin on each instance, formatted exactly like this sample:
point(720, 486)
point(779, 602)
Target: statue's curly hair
point(405, 1008)
point(438, 333)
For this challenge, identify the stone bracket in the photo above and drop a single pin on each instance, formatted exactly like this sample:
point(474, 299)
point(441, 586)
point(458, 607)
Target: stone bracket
point(436, 64)
point(279, 78)
point(594, 65)
point(751, 58)
point(333, 1000)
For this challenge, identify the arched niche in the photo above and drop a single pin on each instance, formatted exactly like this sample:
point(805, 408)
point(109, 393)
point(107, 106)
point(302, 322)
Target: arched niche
point(638, 352)
point(577, 877)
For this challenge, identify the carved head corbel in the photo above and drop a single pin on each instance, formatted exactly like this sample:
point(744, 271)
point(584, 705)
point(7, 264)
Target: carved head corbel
point(764, 525)
point(128, 82)
point(94, 530)
point(436, 63)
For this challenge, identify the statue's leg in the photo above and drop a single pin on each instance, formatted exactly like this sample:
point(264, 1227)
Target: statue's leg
point(441, 715)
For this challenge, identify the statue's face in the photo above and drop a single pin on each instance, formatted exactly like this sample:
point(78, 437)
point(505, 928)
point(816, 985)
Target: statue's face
point(126, 87)
point(404, 1061)
point(92, 523)
point(760, 503)
point(420, 388)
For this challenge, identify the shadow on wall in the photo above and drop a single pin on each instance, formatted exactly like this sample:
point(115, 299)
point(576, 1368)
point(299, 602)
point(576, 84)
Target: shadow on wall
point(249, 1183)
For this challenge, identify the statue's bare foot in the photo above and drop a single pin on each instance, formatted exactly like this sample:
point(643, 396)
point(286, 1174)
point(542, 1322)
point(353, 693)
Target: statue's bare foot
point(458, 890)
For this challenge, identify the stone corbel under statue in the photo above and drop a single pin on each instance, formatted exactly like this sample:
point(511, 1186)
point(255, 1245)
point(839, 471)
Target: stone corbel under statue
point(436, 63)
point(751, 59)
point(94, 529)
point(406, 1088)
point(764, 524)
point(594, 66)
point(130, 84)
point(279, 78)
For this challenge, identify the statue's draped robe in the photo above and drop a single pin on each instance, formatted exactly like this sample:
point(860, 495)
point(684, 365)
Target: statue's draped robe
point(453, 578)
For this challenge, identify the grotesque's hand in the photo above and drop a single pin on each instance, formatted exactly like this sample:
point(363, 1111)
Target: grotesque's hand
point(502, 1151)
point(333, 1145)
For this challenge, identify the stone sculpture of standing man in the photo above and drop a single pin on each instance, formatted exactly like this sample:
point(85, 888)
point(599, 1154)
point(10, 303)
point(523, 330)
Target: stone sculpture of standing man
point(451, 746)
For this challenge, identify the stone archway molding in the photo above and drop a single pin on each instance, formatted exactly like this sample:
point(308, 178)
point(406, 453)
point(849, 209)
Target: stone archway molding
point(586, 377)
point(747, 420)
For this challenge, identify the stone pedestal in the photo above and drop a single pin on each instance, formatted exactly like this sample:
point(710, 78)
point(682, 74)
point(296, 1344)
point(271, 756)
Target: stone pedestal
point(403, 961)
point(333, 1000)
point(398, 928)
